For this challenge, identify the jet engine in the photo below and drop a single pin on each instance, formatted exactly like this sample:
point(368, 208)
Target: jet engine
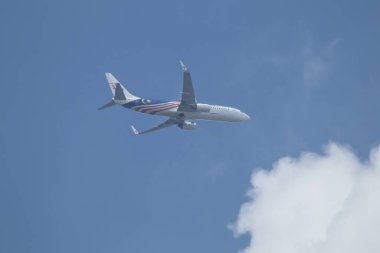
point(203, 107)
point(188, 125)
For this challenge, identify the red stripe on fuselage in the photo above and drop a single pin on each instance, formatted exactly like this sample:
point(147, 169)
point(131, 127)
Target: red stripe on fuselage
point(161, 109)
point(146, 108)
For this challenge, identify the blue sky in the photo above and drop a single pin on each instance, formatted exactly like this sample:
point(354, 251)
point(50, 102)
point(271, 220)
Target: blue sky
point(73, 179)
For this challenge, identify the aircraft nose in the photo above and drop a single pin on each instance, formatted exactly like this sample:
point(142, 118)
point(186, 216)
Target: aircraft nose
point(244, 116)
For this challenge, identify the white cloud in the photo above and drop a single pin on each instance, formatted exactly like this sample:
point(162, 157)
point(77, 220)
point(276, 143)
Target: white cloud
point(316, 203)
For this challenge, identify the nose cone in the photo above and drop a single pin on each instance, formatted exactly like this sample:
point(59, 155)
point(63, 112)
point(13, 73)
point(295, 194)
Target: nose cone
point(245, 116)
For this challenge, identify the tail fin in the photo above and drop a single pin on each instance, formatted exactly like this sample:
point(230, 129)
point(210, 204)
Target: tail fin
point(120, 95)
point(119, 92)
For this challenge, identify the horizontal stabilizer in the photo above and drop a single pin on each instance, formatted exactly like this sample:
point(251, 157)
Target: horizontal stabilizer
point(109, 104)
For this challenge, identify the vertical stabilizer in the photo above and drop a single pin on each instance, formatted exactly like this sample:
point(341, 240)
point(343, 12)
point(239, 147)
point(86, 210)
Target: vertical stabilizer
point(119, 92)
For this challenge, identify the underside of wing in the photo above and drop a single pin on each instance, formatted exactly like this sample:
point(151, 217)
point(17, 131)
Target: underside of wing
point(167, 123)
point(188, 101)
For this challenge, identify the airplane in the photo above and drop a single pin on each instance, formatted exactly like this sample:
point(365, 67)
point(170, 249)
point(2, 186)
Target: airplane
point(181, 113)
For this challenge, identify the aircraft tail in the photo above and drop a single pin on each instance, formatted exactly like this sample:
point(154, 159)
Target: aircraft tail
point(119, 92)
point(120, 95)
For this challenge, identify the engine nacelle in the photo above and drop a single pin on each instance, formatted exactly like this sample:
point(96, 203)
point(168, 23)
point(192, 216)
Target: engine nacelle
point(188, 125)
point(203, 107)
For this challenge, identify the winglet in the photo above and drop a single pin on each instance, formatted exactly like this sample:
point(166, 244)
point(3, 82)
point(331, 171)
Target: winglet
point(183, 66)
point(135, 130)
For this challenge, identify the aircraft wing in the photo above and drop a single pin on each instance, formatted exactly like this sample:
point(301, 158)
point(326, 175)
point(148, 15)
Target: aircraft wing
point(163, 125)
point(188, 101)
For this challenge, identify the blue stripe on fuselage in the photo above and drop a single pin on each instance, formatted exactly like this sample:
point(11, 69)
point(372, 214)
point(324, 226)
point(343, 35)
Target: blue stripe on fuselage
point(139, 102)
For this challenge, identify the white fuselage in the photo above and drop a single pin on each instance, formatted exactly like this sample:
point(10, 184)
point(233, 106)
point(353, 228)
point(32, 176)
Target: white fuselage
point(217, 112)
point(203, 111)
